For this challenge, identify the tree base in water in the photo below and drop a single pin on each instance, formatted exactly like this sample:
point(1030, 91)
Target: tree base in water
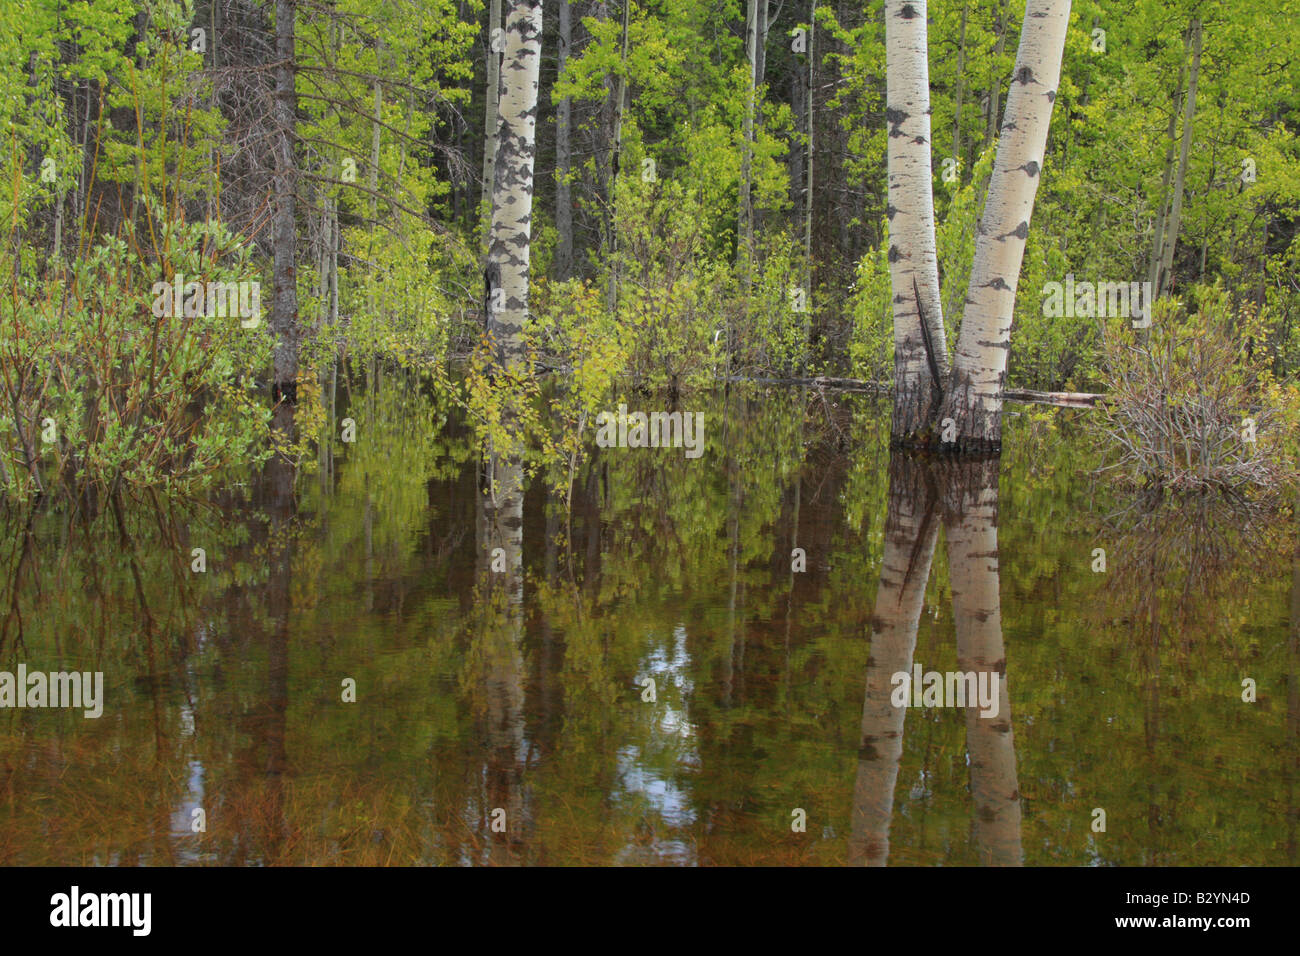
point(927, 443)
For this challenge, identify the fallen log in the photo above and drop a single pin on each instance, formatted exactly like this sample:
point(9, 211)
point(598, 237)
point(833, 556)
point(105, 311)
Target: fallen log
point(1027, 396)
point(1023, 396)
point(821, 381)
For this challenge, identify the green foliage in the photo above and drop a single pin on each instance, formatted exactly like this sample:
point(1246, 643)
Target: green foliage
point(773, 333)
point(675, 292)
point(134, 401)
point(405, 282)
point(574, 331)
point(871, 348)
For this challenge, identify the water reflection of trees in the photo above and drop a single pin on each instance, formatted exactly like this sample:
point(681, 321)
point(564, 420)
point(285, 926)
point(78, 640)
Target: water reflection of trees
point(1172, 558)
point(1181, 570)
point(499, 637)
point(199, 686)
point(520, 689)
point(963, 497)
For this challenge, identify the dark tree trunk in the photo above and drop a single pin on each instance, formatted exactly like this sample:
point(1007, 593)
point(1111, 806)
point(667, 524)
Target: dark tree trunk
point(284, 316)
point(563, 159)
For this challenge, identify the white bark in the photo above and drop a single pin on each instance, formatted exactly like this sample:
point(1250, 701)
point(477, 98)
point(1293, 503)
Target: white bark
point(974, 398)
point(920, 348)
point(512, 197)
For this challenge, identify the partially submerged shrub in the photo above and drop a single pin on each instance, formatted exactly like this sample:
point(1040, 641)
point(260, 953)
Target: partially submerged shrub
point(1193, 403)
point(101, 392)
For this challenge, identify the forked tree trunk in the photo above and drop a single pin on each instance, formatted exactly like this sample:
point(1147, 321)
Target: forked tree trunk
point(911, 527)
point(1162, 211)
point(970, 416)
point(920, 347)
point(512, 199)
point(970, 506)
point(1165, 271)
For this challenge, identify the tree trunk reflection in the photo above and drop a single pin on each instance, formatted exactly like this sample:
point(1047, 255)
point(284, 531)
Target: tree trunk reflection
point(964, 496)
point(911, 527)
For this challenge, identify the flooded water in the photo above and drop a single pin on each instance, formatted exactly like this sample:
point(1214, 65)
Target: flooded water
point(382, 664)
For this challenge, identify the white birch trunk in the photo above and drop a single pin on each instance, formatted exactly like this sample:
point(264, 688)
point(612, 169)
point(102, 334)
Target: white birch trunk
point(512, 198)
point(973, 401)
point(920, 348)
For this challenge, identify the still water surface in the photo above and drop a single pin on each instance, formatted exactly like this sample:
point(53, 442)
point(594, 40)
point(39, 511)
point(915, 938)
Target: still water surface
point(519, 695)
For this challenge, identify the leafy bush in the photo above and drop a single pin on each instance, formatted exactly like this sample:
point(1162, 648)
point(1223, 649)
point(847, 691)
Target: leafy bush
point(674, 290)
point(774, 335)
point(100, 393)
